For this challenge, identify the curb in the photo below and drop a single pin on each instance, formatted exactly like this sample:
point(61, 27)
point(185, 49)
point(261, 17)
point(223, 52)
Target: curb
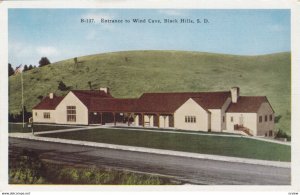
point(157, 151)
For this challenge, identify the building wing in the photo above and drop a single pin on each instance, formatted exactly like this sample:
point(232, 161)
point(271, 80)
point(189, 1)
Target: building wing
point(248, 104)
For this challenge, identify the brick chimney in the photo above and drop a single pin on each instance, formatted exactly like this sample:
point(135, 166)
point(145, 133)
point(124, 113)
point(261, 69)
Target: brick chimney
point(105, 89)
point(51, 95)
point(235, 93)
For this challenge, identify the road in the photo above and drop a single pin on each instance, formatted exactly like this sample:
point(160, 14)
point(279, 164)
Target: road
point(188, 170)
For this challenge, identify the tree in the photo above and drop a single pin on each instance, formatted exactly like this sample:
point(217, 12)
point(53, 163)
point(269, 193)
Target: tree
point(90, 84)
point(25, 68)
point(40, 97)
point(44, 61)
point(62, 86)
point(10, 70)
point(30, 67)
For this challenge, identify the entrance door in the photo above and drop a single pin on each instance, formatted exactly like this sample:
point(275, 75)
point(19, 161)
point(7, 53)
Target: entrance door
point(241, 121)
point(94, 118)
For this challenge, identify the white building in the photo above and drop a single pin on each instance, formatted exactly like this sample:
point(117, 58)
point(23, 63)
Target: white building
point(224, 111)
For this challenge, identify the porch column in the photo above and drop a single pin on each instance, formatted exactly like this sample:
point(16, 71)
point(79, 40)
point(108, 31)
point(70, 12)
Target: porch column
point(129, 115)
point(114, 118)
point(101, 122)
point(143, 121)
point(158, 125)
point(171, 120)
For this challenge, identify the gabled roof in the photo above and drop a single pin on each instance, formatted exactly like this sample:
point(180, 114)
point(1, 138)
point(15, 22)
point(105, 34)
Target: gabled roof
point(48, 104)
point(249, 104)
point(85, 96)
point(113, 105)
point(170, 102)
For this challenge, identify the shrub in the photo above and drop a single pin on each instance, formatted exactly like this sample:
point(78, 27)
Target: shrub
point(27, 169)
point(282, 134)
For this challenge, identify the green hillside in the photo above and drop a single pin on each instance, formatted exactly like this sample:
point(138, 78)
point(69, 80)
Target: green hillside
point(129, 74)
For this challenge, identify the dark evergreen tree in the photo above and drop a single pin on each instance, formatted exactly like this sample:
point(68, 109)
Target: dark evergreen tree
point(44, 61)
point(30, 67)
point(25, 68)
point(10, 70)
point(62, 86)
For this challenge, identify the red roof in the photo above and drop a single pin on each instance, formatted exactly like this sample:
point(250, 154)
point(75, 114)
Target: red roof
point(249, 104)
point(99, 101)
point(85, 96)
point(48, 104)
point(112, 105)
point(170, 102)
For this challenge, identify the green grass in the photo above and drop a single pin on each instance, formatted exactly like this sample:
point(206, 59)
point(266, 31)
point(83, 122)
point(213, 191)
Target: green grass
point(158, 71)
point(18, 128)
point(173, 130)
point(227, 146)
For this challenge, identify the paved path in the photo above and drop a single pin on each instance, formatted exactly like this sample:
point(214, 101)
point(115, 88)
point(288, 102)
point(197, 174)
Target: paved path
point(63, 130)
point(190, 170)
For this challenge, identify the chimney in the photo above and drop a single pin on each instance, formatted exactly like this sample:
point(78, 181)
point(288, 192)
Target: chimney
point(105, 89)
point(235, 93)
point(51, 95)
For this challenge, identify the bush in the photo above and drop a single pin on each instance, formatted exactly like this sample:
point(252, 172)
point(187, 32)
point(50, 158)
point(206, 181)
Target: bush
point(19, 117)
point(27, 169)
point(282, 134)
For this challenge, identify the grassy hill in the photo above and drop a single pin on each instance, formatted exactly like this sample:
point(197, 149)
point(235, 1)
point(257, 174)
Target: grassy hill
point(129, 74)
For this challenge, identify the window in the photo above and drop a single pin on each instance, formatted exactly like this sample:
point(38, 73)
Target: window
point(223, 119)
point(190, 119)
point(231, 119)
point(47, 115)
point(270, 117)
point(71, 113)
point(266, 118)
point(260, 119)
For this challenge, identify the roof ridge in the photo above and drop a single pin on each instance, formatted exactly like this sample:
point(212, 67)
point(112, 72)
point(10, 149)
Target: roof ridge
point(186, 92)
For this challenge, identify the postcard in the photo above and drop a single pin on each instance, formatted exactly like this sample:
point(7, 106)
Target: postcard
point(140, 96)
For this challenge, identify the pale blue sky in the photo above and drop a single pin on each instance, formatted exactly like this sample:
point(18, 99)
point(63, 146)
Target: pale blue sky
point(58, 33)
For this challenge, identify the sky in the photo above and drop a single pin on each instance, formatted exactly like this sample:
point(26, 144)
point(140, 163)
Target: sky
point(59, 34)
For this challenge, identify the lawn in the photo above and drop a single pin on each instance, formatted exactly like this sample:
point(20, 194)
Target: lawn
point(18, 128)
point(227, 146)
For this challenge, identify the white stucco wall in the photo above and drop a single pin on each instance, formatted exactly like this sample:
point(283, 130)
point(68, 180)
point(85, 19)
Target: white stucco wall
point(217, 123)
point(191, 108)
point(81, 110)
point(249, 120)
point(215, 119)
point(265, 126)
point(38, 116)
point(223, 113)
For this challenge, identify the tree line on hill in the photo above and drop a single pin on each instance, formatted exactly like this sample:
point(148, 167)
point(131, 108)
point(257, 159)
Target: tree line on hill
point(44, 61)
